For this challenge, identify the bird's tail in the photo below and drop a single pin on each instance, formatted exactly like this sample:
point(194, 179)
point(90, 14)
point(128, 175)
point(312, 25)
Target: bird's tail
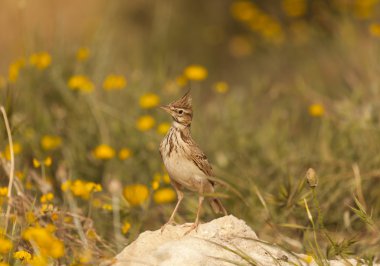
point(217, 206)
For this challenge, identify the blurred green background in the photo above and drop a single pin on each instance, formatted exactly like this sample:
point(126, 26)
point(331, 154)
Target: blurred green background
point(278, 87)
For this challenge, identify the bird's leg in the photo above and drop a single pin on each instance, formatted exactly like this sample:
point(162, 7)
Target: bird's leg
point(180, 198)
point(200, 201)
point(196, 223)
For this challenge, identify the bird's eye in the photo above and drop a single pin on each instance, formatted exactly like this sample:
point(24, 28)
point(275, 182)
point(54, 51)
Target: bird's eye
point(180, 112)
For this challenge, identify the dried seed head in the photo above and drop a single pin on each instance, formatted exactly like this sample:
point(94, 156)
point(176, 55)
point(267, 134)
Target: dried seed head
point(311, 177)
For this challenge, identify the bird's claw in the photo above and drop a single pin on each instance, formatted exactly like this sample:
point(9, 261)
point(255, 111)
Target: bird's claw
point(193, 226)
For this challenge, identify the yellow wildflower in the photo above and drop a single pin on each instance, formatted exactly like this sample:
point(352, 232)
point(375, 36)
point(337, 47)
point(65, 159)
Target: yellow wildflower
point(81, 83)
point(374, 29)
point(16, 150)
point(47, 162)
point(164, 195)
point(50, 142)
point(155, 184)
point(144, 123)
point(107, 207)
point(125, 228)
point(244, 10)
point(114, 82)
point(47, 197)
point(66, 186)
point(81, 188)
point(83, 54)
point(195, 72)
point(54, 216)
point(40, 60)
point(124, 154)
point(20, 175)
point(30, 217)
point(3, 191)
point(85, 257)
point(149, 100)
point(163, 128)
point(136, 194)
point(316, 110)
point(14, 70)
point(307, 258)
point(103, 152)
point(221, 87)
point(364, 9)
point(294, 8)
point(22, 255)
point(5, 245)
point(166, 178)
point(46, 208)
point(36, 163)
point(181, 80)
point(47, 243)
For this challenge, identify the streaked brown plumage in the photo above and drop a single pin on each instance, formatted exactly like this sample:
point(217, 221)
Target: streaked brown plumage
point(185, 162)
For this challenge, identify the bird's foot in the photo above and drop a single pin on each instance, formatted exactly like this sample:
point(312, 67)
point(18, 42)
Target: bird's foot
point(170, 222)
point(193, 226)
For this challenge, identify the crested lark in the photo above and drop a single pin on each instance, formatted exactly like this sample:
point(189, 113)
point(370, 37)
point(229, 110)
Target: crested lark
point(186, 164)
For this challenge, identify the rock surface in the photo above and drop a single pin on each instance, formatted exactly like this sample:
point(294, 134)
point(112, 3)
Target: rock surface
point(204, 247)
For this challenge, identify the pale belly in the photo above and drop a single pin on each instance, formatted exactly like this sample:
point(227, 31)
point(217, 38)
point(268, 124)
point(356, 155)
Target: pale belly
point(187, 174)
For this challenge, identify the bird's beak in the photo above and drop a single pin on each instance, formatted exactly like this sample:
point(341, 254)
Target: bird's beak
point(166, 108)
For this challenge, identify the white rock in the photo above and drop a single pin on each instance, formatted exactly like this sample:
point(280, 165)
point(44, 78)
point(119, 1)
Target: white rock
point(203, 247)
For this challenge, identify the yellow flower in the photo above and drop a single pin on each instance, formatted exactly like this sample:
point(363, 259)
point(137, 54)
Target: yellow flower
point(166, 178)
point(30, 217)
point(221, 87)
point(114, 82)
point(47, 162)
point(374, 29)
point(164, 195)
point(244, 10)
point(47, 197)
point(124, 154)
point(294, 8)
point(364, 9)
point(65, 186)
point(47, 243)
point(195, 72)
point(5, 245)
point(155, 184)
point(50, 142)
point(144, 123)
point(40, 60)
point(307, 258)
point(3, 191)
point(16, 150)
point(81, 83)
point(83, 54)
point(149, 100)
point(103, 152)
point(316, 110)
point(36, 163)
point(136, 194)
point(163, 128)
point(14, 70)
point(107, 207)
point(125, 228)
point(22, 255)
point(4, 264)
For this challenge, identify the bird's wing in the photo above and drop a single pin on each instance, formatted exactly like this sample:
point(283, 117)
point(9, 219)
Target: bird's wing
point(200, 159)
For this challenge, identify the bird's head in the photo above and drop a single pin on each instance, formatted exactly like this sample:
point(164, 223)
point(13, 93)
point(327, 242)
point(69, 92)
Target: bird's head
point(181, 110)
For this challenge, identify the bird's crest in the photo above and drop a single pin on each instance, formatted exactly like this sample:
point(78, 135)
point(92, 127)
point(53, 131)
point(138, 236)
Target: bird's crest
point(184, 102)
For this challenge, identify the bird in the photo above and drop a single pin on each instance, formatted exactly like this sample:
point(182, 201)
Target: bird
point(186, 164)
